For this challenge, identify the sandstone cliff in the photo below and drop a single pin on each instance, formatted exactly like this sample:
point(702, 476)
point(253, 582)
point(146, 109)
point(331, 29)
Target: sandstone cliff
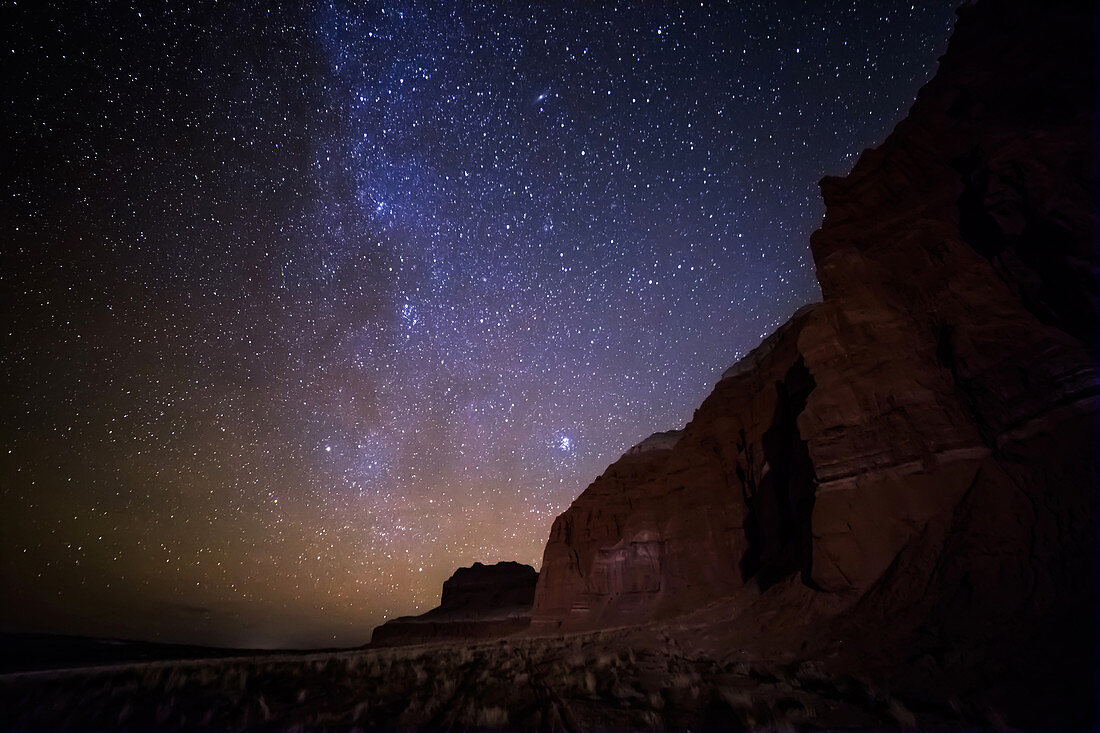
point(922, 443)
point(478, 602)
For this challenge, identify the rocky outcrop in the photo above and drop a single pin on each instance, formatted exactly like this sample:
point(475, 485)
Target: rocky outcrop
point(678, 519)
point(478, 602)
point(925, 437)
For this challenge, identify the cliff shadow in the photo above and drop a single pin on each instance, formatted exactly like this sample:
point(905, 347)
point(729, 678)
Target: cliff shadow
point(1035, 252)
point(780, 501)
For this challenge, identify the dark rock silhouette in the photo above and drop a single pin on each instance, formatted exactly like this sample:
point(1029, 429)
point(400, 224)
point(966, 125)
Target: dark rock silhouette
point(478, 602)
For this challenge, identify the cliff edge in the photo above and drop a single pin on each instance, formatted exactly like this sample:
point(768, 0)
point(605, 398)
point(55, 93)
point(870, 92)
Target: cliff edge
point(916, 453)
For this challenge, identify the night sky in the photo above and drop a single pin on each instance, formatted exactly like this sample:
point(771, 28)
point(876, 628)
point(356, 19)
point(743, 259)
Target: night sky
point(305, 308)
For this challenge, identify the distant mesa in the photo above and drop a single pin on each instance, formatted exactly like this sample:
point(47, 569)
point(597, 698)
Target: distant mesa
point(478, 602)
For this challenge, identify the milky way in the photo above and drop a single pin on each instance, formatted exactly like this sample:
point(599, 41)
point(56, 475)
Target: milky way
point(308, 307)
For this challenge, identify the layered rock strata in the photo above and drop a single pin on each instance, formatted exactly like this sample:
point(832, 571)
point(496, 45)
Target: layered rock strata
point(941, 397)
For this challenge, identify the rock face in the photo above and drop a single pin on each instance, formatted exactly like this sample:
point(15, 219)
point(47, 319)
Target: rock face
point(478, 602)
point(685, 517)
point(924, 438)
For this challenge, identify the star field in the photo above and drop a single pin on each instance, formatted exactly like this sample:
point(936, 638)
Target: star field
point(308, 307)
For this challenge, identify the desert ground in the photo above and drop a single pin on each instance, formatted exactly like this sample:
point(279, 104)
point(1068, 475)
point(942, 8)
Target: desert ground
point(640, 678)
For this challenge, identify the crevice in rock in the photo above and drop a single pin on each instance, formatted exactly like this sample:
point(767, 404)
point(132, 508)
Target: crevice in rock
point(746, 475)
point(947, 358)
point(777, 526)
